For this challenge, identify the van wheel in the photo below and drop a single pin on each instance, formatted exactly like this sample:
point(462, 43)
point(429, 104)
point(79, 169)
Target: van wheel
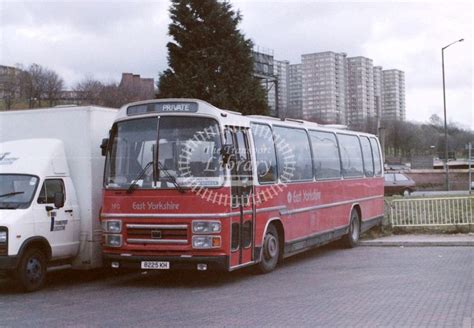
point(32, 270)
point(352, 238)
point(270, 251)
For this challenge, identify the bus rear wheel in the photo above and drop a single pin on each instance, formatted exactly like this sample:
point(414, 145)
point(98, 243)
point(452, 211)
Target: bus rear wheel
point(32, 270)
point(270, 250)
point(352, 238)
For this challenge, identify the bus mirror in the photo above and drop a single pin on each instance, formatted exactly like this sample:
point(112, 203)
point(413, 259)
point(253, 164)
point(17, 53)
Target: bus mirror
point(103, 146)
point(262, 169)
point(227, 151)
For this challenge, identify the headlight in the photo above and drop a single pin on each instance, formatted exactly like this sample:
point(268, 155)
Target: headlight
point(206, 241)
point(113, 240)
point(206, 227)
point(3, 237)
point(112, 226)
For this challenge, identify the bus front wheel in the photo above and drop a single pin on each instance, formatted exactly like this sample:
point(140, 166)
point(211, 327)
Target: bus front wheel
point(270, 250)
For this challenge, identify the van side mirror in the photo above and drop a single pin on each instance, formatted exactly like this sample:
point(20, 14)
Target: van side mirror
point(58, 199)
point(226, 152)
point(103, 146)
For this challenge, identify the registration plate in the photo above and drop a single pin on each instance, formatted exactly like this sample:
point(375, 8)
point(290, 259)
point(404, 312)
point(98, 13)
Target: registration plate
point(155, 265)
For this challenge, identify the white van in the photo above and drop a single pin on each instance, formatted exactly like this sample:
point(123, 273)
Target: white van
point(50, 190)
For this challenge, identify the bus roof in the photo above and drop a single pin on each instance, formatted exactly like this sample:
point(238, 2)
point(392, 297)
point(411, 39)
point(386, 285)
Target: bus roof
point(186, 106)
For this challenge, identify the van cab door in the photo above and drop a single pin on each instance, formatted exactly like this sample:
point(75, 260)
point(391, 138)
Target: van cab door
point(57, 225)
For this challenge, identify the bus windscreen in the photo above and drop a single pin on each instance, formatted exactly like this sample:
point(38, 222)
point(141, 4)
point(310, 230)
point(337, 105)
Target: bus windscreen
point(187, 148)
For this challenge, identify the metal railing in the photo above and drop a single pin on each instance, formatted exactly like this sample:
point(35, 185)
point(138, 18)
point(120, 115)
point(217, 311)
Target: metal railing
point(439, 211)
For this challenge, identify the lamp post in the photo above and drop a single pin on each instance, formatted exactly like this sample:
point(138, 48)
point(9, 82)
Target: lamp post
point(445, 121)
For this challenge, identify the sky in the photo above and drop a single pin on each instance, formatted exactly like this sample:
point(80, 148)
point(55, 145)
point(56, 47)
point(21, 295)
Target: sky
point(104, 39)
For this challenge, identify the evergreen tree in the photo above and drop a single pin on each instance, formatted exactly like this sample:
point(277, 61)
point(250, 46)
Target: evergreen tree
point(210, 59)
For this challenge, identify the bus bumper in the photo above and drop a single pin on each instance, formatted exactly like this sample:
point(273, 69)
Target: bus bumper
point(213, 263)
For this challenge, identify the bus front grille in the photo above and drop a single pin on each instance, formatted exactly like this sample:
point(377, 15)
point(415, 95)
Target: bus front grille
point(157, 234)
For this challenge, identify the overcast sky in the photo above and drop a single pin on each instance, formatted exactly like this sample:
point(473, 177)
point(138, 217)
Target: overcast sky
point(104, 39)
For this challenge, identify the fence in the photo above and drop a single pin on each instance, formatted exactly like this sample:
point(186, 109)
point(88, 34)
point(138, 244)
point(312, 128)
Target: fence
point(439, 211)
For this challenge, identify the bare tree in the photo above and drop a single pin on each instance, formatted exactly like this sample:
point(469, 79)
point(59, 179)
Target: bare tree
point(89, 90)
point(111, 96)
point(26, 87)
point(436, 121)
point(53, 85)
point(38, 83)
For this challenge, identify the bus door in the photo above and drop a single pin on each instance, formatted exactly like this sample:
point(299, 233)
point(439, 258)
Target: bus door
point(242, 225)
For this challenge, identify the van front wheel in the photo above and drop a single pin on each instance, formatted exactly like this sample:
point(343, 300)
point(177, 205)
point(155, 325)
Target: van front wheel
point(32, 270)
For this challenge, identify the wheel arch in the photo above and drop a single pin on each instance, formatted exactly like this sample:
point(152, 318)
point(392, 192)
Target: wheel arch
point(36, 242)
point(356, 206)
point(276, 221)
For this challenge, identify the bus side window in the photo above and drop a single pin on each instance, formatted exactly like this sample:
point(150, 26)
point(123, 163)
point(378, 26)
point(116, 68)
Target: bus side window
point(377, 157)
point(327, 163)
point(293, 153)
point(368, 160)
point(265, 153)
point(351, 156)
point(228, 137)
point(244, 164)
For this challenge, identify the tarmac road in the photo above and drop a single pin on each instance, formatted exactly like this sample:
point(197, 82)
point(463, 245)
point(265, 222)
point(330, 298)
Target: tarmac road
point(327, 287)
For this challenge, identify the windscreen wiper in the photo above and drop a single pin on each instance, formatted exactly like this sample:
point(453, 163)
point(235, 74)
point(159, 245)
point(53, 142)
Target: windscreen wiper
point(8, 206)
point(134, 184)
point(12, 193)
point(169, 176)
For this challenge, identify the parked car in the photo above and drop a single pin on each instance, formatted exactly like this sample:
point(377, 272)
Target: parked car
point(398, 183)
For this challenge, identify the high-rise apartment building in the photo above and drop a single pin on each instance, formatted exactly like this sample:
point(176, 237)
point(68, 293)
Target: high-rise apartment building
point(324, 84)
point(393, 95)
point(378, 91)
point(295, 91)
point(360, 102)
point(329, 87)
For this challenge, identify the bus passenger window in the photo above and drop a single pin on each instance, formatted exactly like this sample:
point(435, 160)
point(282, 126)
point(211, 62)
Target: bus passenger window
point(327, 164)
point(294, 154)
point(376, 152)
point(368, 160)
point(265, 153)
point(351, 156)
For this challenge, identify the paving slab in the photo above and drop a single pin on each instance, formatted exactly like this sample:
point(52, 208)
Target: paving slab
point(420, 240)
